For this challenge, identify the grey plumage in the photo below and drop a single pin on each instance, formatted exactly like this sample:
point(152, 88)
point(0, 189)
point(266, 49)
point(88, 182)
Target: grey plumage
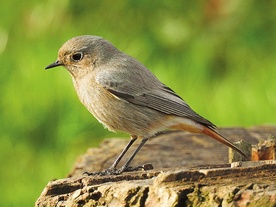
point(125, 96)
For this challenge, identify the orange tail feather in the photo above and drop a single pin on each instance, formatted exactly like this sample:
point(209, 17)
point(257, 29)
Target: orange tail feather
point(211, 133)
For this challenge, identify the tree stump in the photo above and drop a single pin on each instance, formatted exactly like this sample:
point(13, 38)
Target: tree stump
point(189, 170)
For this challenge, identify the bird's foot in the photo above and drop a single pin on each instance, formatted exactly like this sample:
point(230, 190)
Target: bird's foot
point(109, 171)
point(114, 171)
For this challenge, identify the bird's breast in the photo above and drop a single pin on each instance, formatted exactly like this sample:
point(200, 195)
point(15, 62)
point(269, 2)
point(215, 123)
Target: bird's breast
point(117, 114)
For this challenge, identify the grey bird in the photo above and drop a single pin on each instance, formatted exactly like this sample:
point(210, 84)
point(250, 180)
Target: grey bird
point(124, 95)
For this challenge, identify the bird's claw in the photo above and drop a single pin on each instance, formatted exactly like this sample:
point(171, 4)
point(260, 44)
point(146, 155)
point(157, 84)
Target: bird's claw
point(114, 171)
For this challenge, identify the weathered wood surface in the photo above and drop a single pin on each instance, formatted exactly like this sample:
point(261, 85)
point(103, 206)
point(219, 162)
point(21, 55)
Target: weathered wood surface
point(174, 181)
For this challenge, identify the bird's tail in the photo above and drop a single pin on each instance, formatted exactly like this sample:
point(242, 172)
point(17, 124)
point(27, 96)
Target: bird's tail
point(211, 133)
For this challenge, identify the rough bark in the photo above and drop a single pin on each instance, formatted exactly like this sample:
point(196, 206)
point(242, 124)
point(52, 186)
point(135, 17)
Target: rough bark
point(189, 170)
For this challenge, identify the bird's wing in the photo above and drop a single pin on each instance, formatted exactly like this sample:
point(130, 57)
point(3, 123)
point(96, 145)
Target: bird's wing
point(149, 92)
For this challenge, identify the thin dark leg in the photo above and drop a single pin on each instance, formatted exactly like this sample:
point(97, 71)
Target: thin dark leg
point(112, 170)
point(132, 140)
point(125, 166)
point(146, 166)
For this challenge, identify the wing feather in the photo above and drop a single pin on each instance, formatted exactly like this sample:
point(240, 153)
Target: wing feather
point(156, 95)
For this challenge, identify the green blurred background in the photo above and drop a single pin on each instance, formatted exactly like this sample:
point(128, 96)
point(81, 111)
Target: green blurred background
point(218, 55)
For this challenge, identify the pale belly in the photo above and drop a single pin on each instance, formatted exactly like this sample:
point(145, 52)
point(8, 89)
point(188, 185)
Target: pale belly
point(119, 115)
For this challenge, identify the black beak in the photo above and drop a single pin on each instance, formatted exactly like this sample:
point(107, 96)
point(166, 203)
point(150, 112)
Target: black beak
point(54, 64)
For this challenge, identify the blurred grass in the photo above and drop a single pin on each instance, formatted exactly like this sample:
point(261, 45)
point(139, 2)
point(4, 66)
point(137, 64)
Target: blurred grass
point(218, 55)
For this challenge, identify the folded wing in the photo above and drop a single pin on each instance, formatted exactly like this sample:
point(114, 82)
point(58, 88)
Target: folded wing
point(149, 92)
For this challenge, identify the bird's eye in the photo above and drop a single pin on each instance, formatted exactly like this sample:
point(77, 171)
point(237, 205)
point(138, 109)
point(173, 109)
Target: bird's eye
point(77, 56)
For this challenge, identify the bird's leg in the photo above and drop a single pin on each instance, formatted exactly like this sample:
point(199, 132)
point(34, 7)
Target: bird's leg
point(147, 166)
point(132, 140)
point(112, 169)
point(125, 166)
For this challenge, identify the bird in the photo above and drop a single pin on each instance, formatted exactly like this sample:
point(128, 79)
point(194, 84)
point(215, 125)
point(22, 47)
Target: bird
point(123, 95)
